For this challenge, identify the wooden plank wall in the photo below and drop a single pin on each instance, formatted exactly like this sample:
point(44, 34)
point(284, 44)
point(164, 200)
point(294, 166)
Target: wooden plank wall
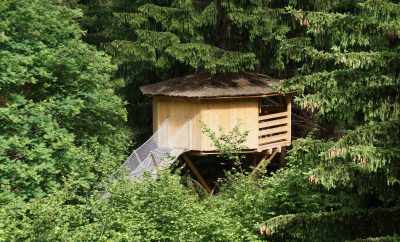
point(181, 115)
point(225, 113)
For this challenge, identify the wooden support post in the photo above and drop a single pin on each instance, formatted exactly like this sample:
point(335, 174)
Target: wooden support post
point(263, 164)
point(196, 173)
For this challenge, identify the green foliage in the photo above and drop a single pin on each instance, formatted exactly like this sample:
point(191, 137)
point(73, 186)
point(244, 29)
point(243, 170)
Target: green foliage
point(163, 209)
point(230, 144)
point(346, 58)
point(59, 117)
point(171, 29)
point(287, 191)
point(149, 210)
point(333, 226)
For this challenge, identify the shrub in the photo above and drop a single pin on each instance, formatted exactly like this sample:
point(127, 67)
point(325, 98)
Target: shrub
point(287, 191)
point(146, 210)
point(229, 144)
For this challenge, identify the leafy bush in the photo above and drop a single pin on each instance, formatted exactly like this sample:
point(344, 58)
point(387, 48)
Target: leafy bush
point(287, 191)
point(228, 144)
point(59, 117)
point(148, 210)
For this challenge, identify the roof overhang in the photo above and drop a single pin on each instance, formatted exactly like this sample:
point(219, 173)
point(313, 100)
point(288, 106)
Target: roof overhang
point(217, 86)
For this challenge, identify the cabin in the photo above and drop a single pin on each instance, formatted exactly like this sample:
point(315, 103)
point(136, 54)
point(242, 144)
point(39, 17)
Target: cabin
point(221, 101)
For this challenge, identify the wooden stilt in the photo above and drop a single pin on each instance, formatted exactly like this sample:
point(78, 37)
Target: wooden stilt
point(201, 186)
point(196, 173)
point(263, 163)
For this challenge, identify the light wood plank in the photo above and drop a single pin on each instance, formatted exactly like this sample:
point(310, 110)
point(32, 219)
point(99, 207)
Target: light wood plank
point(273, 123)
point(270, 139)
point(279, 129)
point(226, 114)
point(273, 115)
point(289, 110)
point(273, 145)
point(216, 113)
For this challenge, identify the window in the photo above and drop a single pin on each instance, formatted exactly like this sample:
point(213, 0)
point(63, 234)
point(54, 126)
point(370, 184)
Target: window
point(274, 104)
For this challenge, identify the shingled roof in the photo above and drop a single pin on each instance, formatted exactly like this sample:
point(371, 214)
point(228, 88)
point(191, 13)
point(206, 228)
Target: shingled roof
point(205, 85)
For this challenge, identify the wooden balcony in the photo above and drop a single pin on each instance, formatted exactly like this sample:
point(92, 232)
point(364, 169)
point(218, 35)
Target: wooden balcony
point(274, 131)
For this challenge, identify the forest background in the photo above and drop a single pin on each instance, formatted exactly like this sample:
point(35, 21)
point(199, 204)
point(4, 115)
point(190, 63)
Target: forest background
point(71, 111)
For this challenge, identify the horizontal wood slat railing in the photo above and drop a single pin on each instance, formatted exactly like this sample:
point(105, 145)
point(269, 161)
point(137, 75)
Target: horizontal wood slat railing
point(274, 128)
point(280, 129)
point(273, 115)
point(274, 138)
point(276, 122)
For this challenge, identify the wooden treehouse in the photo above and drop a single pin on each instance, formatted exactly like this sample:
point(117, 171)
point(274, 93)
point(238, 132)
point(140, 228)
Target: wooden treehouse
point(224, 101)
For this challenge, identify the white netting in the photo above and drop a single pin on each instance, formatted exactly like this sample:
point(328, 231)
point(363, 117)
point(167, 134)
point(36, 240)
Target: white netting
point(159, 151)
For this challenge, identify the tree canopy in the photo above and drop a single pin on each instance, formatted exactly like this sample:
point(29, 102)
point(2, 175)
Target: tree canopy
point(60, 119)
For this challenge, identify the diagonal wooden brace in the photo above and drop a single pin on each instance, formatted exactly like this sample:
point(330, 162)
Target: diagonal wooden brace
point(196, 173)
point(263, 163)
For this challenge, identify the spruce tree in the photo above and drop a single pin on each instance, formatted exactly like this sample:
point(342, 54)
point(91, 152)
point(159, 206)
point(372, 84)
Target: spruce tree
point(341, 58)
point(347, 74)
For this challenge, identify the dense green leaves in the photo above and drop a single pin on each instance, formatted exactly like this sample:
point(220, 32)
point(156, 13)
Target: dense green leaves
point(287, 191)
point(348, 77)
point(60, 119)
point(144, 211)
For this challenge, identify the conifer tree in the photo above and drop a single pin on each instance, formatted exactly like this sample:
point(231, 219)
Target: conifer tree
point(347, 59)
point(341, 58)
